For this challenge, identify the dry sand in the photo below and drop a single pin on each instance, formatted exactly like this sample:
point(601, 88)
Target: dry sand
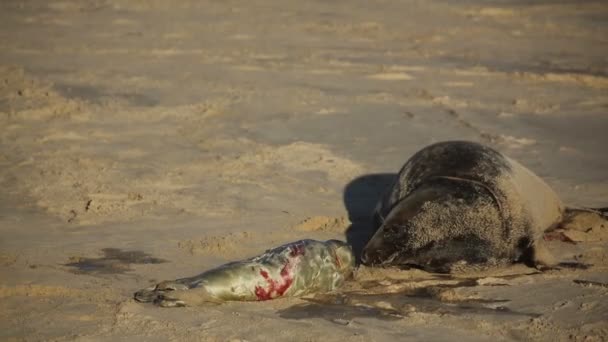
point(150, 140)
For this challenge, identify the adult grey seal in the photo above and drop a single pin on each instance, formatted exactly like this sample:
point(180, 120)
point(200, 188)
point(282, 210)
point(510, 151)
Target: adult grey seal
point(460, 203)
point(295, 269)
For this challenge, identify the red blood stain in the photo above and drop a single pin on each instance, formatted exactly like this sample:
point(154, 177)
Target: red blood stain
point(277, 288)
point(297, 249)
point(338, 262)
point(560, 236)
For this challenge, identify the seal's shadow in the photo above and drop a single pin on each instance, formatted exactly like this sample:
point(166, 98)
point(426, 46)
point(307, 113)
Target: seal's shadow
point(360, 198)
point(342, 309)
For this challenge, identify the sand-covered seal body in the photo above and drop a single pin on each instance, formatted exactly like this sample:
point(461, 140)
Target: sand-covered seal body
point(460, 202)
point(295, 269)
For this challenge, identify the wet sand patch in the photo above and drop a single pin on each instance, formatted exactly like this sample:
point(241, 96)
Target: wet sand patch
point(114, 261)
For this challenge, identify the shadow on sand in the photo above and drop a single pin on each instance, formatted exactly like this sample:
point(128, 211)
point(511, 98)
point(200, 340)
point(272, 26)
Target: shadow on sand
point(360, 198)
point(343, 308)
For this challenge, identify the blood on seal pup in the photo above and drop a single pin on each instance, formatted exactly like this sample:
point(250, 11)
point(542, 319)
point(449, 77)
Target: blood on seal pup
point(295, 269)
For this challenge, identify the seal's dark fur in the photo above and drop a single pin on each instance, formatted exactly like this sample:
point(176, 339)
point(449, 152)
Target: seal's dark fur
point(461, 203)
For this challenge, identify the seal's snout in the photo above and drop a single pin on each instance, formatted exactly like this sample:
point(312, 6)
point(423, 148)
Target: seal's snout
point(145, 295)
point(372, 253)
point(364, 258)
point(345, 259)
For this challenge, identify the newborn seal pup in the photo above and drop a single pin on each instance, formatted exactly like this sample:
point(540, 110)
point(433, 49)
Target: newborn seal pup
point(460, 203)
point(295, 269)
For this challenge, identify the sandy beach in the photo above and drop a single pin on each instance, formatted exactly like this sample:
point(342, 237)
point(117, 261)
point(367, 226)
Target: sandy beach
point(149, 140)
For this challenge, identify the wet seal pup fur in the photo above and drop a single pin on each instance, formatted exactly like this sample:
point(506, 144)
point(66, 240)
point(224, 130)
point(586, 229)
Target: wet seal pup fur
point(457, 203)
point(294, 269)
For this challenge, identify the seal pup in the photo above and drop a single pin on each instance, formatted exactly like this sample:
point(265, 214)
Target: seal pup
point(460, 203)
point(295, 269)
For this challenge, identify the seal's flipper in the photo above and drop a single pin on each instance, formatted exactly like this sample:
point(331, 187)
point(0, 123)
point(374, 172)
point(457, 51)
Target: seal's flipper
point(152, 294)
point(541, 257)
point(146, 295)
point(168, 302)
point(584, 219)
point(601, 211)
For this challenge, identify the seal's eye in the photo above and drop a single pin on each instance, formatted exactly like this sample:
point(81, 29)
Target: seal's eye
point(396, 231)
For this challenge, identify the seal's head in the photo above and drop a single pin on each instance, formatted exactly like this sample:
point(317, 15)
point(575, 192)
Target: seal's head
point(389, 244)
point(436, 227)
point(344, 257)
